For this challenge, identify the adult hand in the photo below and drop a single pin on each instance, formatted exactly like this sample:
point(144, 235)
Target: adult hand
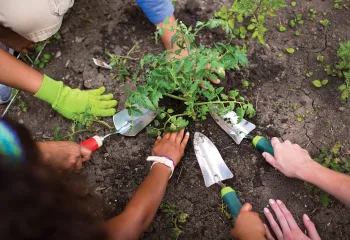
point(290, 159)
point(15, 41)
point(248, 225)
point(75, 103)
point(172, 145)
point(64, 156)
point(287, 227)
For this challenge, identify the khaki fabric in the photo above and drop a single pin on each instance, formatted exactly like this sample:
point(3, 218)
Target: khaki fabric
point(36, 20)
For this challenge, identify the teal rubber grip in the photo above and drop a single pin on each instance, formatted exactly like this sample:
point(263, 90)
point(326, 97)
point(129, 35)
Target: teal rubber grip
point(263, 145)
point(230, 198)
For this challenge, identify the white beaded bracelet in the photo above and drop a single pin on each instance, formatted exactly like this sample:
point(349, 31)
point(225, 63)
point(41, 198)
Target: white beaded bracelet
point(164, 160)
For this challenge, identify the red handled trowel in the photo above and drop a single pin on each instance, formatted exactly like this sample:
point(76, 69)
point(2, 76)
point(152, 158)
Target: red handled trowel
point(125, 125)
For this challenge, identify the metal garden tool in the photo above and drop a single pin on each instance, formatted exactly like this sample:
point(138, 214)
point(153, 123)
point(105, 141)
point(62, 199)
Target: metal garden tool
point(239, 131)
point(214, 170)
point(125, 125)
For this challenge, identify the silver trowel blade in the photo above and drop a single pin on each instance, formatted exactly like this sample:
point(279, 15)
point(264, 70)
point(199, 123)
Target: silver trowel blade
point(210, 161)
point(130, 126)
point(228, 122)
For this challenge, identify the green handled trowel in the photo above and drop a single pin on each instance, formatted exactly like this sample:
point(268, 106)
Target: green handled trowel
point(240, 131)
point(214, 170)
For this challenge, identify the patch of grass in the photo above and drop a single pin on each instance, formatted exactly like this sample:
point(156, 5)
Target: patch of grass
point(177, 217)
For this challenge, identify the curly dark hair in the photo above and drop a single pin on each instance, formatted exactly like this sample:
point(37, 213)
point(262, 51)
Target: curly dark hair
point(35, 204)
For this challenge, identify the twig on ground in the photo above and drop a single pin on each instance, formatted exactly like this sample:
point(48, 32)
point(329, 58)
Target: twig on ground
point(177, 181)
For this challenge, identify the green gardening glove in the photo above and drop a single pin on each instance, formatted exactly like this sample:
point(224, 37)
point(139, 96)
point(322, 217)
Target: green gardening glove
point(75, 104)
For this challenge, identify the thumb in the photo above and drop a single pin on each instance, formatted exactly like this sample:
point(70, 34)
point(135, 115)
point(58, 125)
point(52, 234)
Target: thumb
point(311, 229)
point(247, 207)
point(270, 159)
point(85, 153)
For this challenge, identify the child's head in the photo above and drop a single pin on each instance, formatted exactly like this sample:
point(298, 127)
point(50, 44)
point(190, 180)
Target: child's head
point(34, 203)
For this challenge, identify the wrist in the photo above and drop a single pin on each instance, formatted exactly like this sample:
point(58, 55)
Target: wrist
point(49, 90)
point(44, 150)
point(307, 171)
point(162, 169)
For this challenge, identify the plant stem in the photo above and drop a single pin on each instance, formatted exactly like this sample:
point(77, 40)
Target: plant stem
point(175, 97)
point(216, 102)
point(178, 115)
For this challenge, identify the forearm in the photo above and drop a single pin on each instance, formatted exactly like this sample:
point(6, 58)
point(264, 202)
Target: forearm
point(16, 74)
point(332, 182)
point(142, 207)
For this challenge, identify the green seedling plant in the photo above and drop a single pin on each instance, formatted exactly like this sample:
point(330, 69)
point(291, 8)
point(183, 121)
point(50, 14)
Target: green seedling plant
point(86, 16)
point(309, 74)
point(290, 50)
point(335, 160)
point(298, 19)
point(249, 16)
point(319, 83)
point(298, 33)
point(324, 22)
point(186, 79)
point(340, 4)
point(178, 218)
point(320, 58)
point(343, 68)
point(312, 14)
point(43, 61)
point(281, 28)
point(120, 63)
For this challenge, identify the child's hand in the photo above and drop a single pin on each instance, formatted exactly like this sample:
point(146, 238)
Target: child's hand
point(248, 225)
point(172, 145)
point(289, 228)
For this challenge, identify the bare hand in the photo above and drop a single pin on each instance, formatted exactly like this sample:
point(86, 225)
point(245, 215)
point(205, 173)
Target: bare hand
point(172, 145)
point(287, 227)
point(15, 41)
point(290, 159)
point(64, 156)
point(248, 225)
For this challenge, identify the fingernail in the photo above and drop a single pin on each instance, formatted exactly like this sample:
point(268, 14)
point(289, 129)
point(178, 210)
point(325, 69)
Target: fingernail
point(264, 154)
point(279, 202)
point(187, 133)
point(218, 81)
point(306, 217)
point(266, 227)
point(266, 210)
point(271, 201)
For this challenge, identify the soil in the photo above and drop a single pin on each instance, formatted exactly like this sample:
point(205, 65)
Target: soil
point(117, 169)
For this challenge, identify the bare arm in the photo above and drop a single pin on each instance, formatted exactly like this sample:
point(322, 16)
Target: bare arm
point(16, 74)
point(336, 184)
point(293, 161)
point(141, 209)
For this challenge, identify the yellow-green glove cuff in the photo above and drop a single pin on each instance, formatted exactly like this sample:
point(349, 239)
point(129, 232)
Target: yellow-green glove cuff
point(49, 90)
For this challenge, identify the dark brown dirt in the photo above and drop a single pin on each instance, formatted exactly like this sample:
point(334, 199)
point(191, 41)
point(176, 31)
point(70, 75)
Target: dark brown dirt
point(116, 170)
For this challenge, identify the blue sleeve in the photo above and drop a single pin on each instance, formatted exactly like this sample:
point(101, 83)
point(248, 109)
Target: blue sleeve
point(156, 10)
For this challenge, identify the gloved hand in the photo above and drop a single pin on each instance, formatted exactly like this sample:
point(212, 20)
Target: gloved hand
point(75, 103)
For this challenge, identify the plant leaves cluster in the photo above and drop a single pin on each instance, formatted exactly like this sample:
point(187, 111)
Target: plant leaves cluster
point(344, 69)
point(177, 217)
point(332, 159)
point(186, 79)
point(248, 16)
point(119, 64)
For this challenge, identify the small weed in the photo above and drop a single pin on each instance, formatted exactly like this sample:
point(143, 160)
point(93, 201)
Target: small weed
point(309, 74)
point(324, 23)
point(119, 63)
point(85, 16)
point(312, 14)
point(300, 118)
point(298, 19)
point(298, 33)
point(320, 58)
point(43, 61)
point(290, 50)
point(177, 217)
point(57, 136)
point(248, 16)
point(294, 106)
point(281, 28)
point(293, 4)
point(225, 211)
point(335, 160)
point(318, 83)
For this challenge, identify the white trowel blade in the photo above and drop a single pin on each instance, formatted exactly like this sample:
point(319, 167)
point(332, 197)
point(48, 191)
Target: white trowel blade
point(210, 161)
